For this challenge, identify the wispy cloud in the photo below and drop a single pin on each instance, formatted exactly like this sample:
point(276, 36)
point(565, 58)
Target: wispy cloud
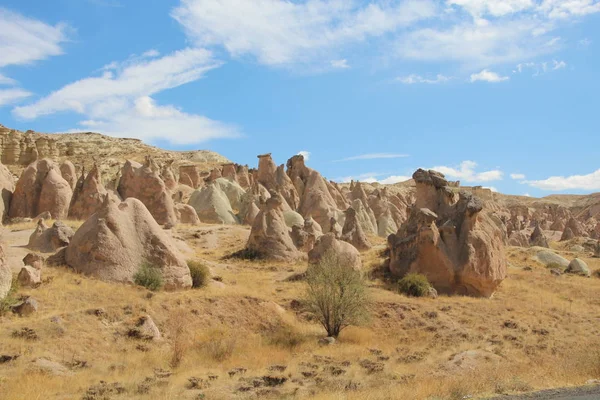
point(372, 177)
point(574, 182)
point(539, 68)
point(466, 172)
point(118, 102)
point(340, 64)
point(517, 176)
point(414, 79)
point(372, 156)
point(488, 76)
point(13, 95)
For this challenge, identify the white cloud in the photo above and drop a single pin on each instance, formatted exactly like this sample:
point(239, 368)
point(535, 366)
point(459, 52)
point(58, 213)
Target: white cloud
point(11, 96)
point(517, 176)
point(495, 8)
point(5, 80)
point(414, 78)
point(305, 154)
point(561, 9)
point(492, 188)
point(279, 32)
point(394, 179)
point(466, 173)
point(373, 156)
point(24, 40)
point(541, 67)
point(488, 76)
point(526, 195)
point(574, 182)
point(585, 43)
point(121, 83)
point(371, 177)
point(151, 53)
point(119, 102)
point(559, 65)
point(340, 64)
point(147, 121)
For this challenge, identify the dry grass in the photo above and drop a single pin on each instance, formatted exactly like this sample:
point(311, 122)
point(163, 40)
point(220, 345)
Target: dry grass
point(543, 328)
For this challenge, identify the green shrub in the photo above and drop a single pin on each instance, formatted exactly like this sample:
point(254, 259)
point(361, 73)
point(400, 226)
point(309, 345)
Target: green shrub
point(415, 285)
point(200, 273)
point(10, 299)
point(336, 294)
point(149, 277)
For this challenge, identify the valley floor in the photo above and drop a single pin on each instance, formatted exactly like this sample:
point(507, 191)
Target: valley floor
point(248, 337)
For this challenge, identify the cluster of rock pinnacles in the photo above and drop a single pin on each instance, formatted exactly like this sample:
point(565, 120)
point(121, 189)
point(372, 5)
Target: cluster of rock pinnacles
point(294, 214)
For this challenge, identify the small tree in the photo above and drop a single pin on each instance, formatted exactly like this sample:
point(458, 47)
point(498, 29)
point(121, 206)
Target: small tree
point(336, 294)
point(149, 277)
point(200, 274)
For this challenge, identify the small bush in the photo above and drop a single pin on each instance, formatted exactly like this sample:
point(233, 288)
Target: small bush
point(336, 294)
point(200, 274)
point(179, 334)
point(415, 285)
point(149, 277)
point(11, 299)
point(218, 344)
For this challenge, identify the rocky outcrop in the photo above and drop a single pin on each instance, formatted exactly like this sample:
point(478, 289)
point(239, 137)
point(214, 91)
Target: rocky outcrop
point(114, 243)
point(343, 251)
point(190, 175)
point(88, 196)
point(41, 188)
point(212, 205)
point(335, 228)
point(229, 172)
point(7, 186)
point(315, 199)
point(538, 238)
point(450, 239)
point(186, 214)
point(518, 239)
point(248, 209)
point(144, 183)
point(572, 230)
point(168, 176)
point(69, 174)
point(578, 267)
point(232, 190)
point(269, 237)
point(29, 277)
point(305, 236)
point(353, 233)
point(49, 239)
point(5, 274)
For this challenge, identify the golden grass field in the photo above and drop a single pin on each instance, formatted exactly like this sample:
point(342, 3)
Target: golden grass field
point(540, 331)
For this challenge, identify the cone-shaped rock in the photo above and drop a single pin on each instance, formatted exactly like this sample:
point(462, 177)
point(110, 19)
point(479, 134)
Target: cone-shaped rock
point(353, 233)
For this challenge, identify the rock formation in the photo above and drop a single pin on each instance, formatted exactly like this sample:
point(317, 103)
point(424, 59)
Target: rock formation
point(7, 186)
point(353, 233)
point(456, 245)
point(115, 242)
point(212, 205)
point(88, 196)
point(519, 239)
point(232, 190)
point(343, 251)
point(186, 214)
point(5, 274)
point(190, 175)
point(49, 239)
point(144, 183)
point(315, 199)
point(572, 230)
point(578, 267)
point(335, 228)
point(269, 237)
point(305, 236)
point(168, 176)
point(248, 209)
point(41, 188)
point(538, 238)
point(69, 174)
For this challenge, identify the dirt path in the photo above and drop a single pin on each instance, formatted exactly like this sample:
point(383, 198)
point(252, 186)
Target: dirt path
point(15, 249)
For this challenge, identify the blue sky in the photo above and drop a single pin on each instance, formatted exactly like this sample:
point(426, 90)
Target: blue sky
point(498, 93)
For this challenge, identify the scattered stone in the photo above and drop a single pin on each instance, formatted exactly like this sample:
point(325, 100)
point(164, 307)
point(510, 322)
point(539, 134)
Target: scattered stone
point(145, 329)
point(327, 341)
point(26, 307)
point(6, 358)
point(50, 367)
point(578, 267)
point(104, 391)
point(48, 240)
point(548, 257)
point(29, 277)
point(34, 260)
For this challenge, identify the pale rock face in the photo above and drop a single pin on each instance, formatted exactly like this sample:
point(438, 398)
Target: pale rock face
point(69, 174)
point(243, 177)
point(365, 217)
point(270, 236)
point(292, 218)
point(305, 236)
point(578, 267)
point(88, 196)
point(49, 239)
point(144, 183)
point(212, 205)
point(353, 232)
point(41, 188)
point(5, 274)
point(457, 246)
point(233, 191)
point(7, 186)
point(186, 214)
point(190, 175)
point(248, 208)
point(343, 250)
point(315, 199)
point(114, 243)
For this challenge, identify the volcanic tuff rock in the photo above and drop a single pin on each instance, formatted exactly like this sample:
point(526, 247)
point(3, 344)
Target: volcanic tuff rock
point(343, 251)
point(538, 238)
point(115, 242)
point(88, 196)
point(270, 236)
point(144, 183)
point(7, 186)
point(353, 232)
point(5, 274)
point(19, 149)
point(451, 241)
point(49, 239)
point(212, 205)
point(41, 188)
